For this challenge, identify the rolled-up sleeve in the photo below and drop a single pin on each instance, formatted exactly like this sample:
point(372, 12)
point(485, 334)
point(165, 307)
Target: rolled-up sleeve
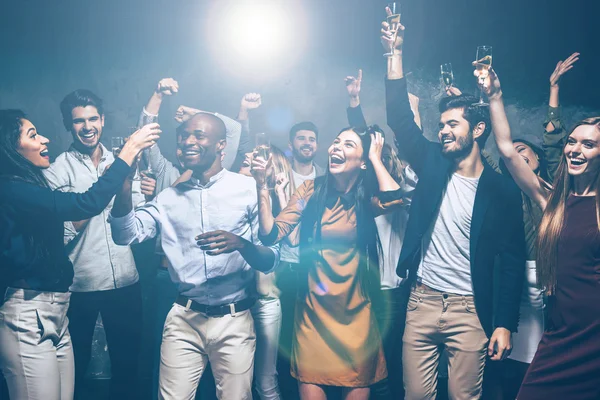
point(135, 227)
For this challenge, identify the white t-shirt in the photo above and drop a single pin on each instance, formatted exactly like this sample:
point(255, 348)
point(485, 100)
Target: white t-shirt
point(391, 228)
point(292, 254)
point(446, 258)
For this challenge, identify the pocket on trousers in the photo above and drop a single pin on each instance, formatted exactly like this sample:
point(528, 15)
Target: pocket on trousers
point(47, 328)
point(413, 302)
point(470, 307)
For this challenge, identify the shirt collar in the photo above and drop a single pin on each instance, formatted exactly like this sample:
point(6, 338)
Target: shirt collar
point(347, 199)
point(82, 157)
point(195, 182)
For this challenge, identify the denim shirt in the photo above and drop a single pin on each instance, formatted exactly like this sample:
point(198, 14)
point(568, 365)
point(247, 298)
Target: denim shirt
point(98, 263)
point(178, 214)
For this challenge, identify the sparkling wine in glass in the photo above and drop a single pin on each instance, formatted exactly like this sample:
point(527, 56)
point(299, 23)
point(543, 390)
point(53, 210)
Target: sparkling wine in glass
point(116, 144)
point(447, 75)
point(483, 63)
point(263, 150)
point(263, 146)
point(393, 21)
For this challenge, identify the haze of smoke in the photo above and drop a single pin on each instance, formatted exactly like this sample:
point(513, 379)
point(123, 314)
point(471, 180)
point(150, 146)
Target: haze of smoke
point(316, 93)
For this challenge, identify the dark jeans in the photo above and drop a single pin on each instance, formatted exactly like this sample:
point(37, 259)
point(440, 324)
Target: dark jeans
point(121, 311)
point(390, 317)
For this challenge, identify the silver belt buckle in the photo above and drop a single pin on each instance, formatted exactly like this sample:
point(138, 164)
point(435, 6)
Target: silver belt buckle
point(232, 309)
point(188, 305)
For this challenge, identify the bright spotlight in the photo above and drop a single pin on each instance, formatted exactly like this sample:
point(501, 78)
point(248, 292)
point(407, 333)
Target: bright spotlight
point(258, 30)
point(255, 37)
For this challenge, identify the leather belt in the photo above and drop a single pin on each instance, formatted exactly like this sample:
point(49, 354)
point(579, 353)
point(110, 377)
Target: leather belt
point(216, 311)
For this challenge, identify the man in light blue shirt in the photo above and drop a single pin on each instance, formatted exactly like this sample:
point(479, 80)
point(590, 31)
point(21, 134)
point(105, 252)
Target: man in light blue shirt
point(209, 232)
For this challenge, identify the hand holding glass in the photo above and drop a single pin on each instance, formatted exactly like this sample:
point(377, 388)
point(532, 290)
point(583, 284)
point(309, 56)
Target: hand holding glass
point(447, 75)
point(116, 144)
point(393, 21)
point(483, 63)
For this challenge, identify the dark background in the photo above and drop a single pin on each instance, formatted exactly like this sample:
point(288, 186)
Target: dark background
point(120, 49)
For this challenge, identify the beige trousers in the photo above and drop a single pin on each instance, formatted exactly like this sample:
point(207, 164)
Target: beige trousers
point(36, 356)
point(437, 320)
point(191, 340)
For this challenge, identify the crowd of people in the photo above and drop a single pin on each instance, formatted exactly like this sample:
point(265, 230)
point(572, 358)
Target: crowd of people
point(369, 278)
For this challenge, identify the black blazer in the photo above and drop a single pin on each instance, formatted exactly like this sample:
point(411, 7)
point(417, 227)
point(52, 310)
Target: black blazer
point(496, 225)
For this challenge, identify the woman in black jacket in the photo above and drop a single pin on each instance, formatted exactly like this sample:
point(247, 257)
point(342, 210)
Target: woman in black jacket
point(36, 357)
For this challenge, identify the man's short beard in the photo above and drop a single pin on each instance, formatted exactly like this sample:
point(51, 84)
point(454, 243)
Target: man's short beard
point(465, 145)
point(301, 157)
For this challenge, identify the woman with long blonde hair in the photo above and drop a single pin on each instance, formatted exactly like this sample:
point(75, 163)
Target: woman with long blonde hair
point(267, 310)
point(567, 362)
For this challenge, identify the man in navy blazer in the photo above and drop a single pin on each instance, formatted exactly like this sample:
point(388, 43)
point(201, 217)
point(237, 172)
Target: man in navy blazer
point(463, 217)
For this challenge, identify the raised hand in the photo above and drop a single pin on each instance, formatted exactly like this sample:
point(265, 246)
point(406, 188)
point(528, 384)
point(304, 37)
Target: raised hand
point(258, 169)
point(389, 39)
point(377, 141)
point(453, 91)
point(251, 101)
point(353, 84)
point(184, 113)
point(141, 139)
point(167, 87)
point(561, 68)
point(281, 183)
point(489, 83)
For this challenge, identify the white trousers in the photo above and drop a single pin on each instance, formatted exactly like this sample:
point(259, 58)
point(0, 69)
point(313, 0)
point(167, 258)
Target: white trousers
point(267, 321)
point(36, 356)
point(191, 340)
point(531, 321)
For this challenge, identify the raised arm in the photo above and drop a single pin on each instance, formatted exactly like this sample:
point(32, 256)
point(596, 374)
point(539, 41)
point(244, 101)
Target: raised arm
point(234, 131)
point(411, 144)
point(554, 132)
point(385, 181)
point(129, 227)
point(154, 157)
point(354, 112)
point(68, 206)
point(523, 175)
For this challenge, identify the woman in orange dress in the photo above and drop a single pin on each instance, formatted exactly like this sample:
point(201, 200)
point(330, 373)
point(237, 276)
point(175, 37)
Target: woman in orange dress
point(337, 342)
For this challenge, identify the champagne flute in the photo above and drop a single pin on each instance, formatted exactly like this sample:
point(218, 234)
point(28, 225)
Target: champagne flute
point(263, 150)
point(447, 75)
point(136, 176)
point(483, 63)
point(116, 144)
point(146, 119)
point(393, 22)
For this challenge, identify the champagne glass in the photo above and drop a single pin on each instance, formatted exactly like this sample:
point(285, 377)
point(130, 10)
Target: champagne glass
point(393, 22)
point(263, 150)
point(146, 119)
point(447, 75)
point(116, 144)
point(483, 63)
point(263, 146)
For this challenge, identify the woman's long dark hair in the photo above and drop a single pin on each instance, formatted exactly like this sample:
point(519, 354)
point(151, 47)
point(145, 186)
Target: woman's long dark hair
point(368, 244)
point(12, 164)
